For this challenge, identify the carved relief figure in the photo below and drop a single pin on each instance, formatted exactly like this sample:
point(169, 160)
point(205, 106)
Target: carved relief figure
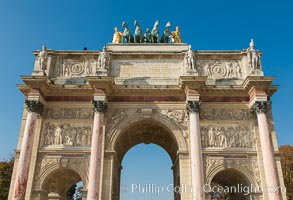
point(176, 36)
point(209, 71)
point(67, 72)
point(42, 59)
point(222, 140)
point(253, 57)
point(237, 68)
point(103, 60)
point(117, 36)
point(89, 68)
point(190, 59)
point(58, 136)
point(230, 70)
point(78, 137)
point(49, 138)
point(211, 137)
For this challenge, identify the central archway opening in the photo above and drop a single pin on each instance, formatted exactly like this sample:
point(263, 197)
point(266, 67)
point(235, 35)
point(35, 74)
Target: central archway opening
point(146, 174)
point(147, 164)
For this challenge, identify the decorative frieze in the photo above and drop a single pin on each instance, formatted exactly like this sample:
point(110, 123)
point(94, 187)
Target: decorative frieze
point(66, 135)
point(226, 137)
point(69, 113)
point(225, 114)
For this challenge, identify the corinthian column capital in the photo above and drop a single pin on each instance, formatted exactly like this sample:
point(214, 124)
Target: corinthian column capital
point(34, 106)
point(193, 106)
point(100, 106)
point(260, 107)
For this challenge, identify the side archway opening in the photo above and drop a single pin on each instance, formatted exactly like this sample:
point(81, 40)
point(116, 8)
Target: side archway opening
point(63, 184)
point(230, 184)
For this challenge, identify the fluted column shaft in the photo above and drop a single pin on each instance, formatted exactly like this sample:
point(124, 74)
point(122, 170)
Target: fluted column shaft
point(267, 149)
point(33, 107)
point(96, 169)
point(195, 151)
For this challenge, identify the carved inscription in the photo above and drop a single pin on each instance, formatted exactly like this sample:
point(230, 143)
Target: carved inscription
point(147, 68)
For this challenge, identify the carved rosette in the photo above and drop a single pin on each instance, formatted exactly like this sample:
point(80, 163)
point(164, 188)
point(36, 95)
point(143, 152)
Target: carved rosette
point(260, 107)
point(100, 106)
point(193, 106)
point(34, 106)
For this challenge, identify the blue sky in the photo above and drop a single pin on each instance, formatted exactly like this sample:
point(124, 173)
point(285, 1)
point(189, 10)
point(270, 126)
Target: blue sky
point(215, 25)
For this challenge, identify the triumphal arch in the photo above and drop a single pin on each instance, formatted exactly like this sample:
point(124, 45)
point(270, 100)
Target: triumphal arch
point(209, 109)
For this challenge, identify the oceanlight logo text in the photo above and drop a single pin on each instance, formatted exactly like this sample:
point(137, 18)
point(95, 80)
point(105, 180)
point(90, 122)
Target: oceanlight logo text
point(243, 189)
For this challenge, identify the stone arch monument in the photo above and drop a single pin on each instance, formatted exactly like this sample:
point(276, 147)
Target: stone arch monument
point(85, 109)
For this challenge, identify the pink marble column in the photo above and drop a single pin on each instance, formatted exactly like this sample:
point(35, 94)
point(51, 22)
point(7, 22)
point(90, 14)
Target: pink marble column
point(95, 169)
point(33, 107)
point(267, 149)
point(195, 151)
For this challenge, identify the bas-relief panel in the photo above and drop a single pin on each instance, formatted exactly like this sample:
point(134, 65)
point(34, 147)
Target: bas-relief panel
point(66, 134)
point(226, 137)
point(221, 69)
point(226, 128)
point(71, 68)
point(69, 127)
